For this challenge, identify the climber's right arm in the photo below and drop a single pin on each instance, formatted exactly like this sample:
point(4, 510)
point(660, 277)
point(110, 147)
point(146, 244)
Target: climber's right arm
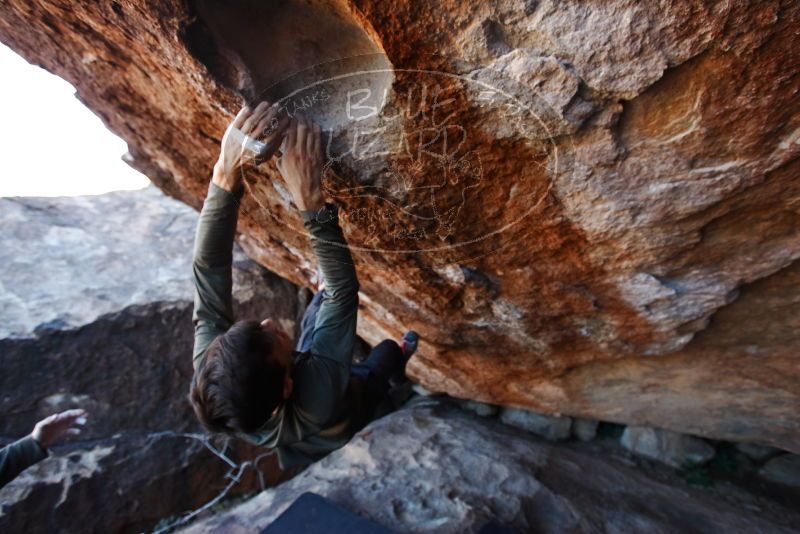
point(211, 267)
point(216, 229)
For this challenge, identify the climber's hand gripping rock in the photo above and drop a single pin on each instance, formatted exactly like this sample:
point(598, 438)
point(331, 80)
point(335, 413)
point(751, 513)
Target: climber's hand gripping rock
point(254, 135)
point(301, 163)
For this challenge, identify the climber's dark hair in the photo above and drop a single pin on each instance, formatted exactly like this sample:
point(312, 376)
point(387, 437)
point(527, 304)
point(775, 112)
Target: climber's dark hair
point(237, 386)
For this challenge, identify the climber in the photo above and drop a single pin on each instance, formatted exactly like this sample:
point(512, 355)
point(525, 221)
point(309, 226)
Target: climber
point(250, 379)
point(33, 448)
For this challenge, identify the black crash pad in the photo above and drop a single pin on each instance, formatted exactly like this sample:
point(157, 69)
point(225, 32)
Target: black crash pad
point(314, 514)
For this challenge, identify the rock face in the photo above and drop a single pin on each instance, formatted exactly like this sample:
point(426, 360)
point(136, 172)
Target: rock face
point(553, 428)
point(99, 316)
point(124, 484)
point(783, 470)
point(584, 429)
point(759, 453)
point(67, 261)
point(677, 450)
point(584, 208)
point(435, 468)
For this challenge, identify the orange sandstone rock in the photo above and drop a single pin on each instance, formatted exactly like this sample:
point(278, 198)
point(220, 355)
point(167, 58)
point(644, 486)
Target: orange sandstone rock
point(588, 209)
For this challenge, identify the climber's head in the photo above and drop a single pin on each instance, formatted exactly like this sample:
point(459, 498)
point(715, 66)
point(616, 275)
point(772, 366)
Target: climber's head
point(243, 377)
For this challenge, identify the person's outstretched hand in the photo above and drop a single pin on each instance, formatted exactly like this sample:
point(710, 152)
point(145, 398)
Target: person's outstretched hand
point(253, 133)
point(301, 164)
point(53, 428)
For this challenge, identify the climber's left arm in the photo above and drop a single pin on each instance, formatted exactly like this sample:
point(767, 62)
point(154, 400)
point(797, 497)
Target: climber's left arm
point(323, 379)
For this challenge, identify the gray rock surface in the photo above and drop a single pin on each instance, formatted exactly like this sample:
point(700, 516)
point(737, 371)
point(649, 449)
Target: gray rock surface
point(123, 484)
point(121, 349)
point(480, 408)
point(547, 426)
point(677, 450)
point(584, 429)
point(783, 470)
point(69, 260)
point(433, 467)
point(759, 453)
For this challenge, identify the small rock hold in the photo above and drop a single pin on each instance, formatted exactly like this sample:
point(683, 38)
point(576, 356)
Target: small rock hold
point(584, 429)
point(419, 390)
point(759, 453)
point(480, 408)
point(547, 426)
point(783, 470)
point(671, 448)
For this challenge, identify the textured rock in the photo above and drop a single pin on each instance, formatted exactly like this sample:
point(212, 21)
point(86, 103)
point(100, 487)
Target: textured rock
point(67, 261)
point(783, 470)
point(550, 427)
point(620, 189)
point(677, 450)
point(759, 453)
point(435, 468)
point(584, 429)
point(480, 408)
point(121, 349)
point(125, 484)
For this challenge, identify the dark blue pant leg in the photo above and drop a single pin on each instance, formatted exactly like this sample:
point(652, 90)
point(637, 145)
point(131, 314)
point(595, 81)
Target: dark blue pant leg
point(385, 361)
point(308, 322)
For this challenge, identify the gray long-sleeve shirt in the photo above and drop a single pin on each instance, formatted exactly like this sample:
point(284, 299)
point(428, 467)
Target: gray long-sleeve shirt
point(322, 413)
point(17, 457)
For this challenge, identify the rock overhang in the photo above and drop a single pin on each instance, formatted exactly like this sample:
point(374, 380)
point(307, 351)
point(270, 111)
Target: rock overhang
point(678, 199)
point(307, 56)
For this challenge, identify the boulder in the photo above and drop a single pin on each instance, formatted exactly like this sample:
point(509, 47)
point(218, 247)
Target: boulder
point(759, 453)
point(584, 429)
point(69, 260)
point(99, 306)
point(677, 450)
point(783, 470)
point(127, 483)
point(547, 426)
point(480, 408)
point(583, 207)
point(433, 467)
